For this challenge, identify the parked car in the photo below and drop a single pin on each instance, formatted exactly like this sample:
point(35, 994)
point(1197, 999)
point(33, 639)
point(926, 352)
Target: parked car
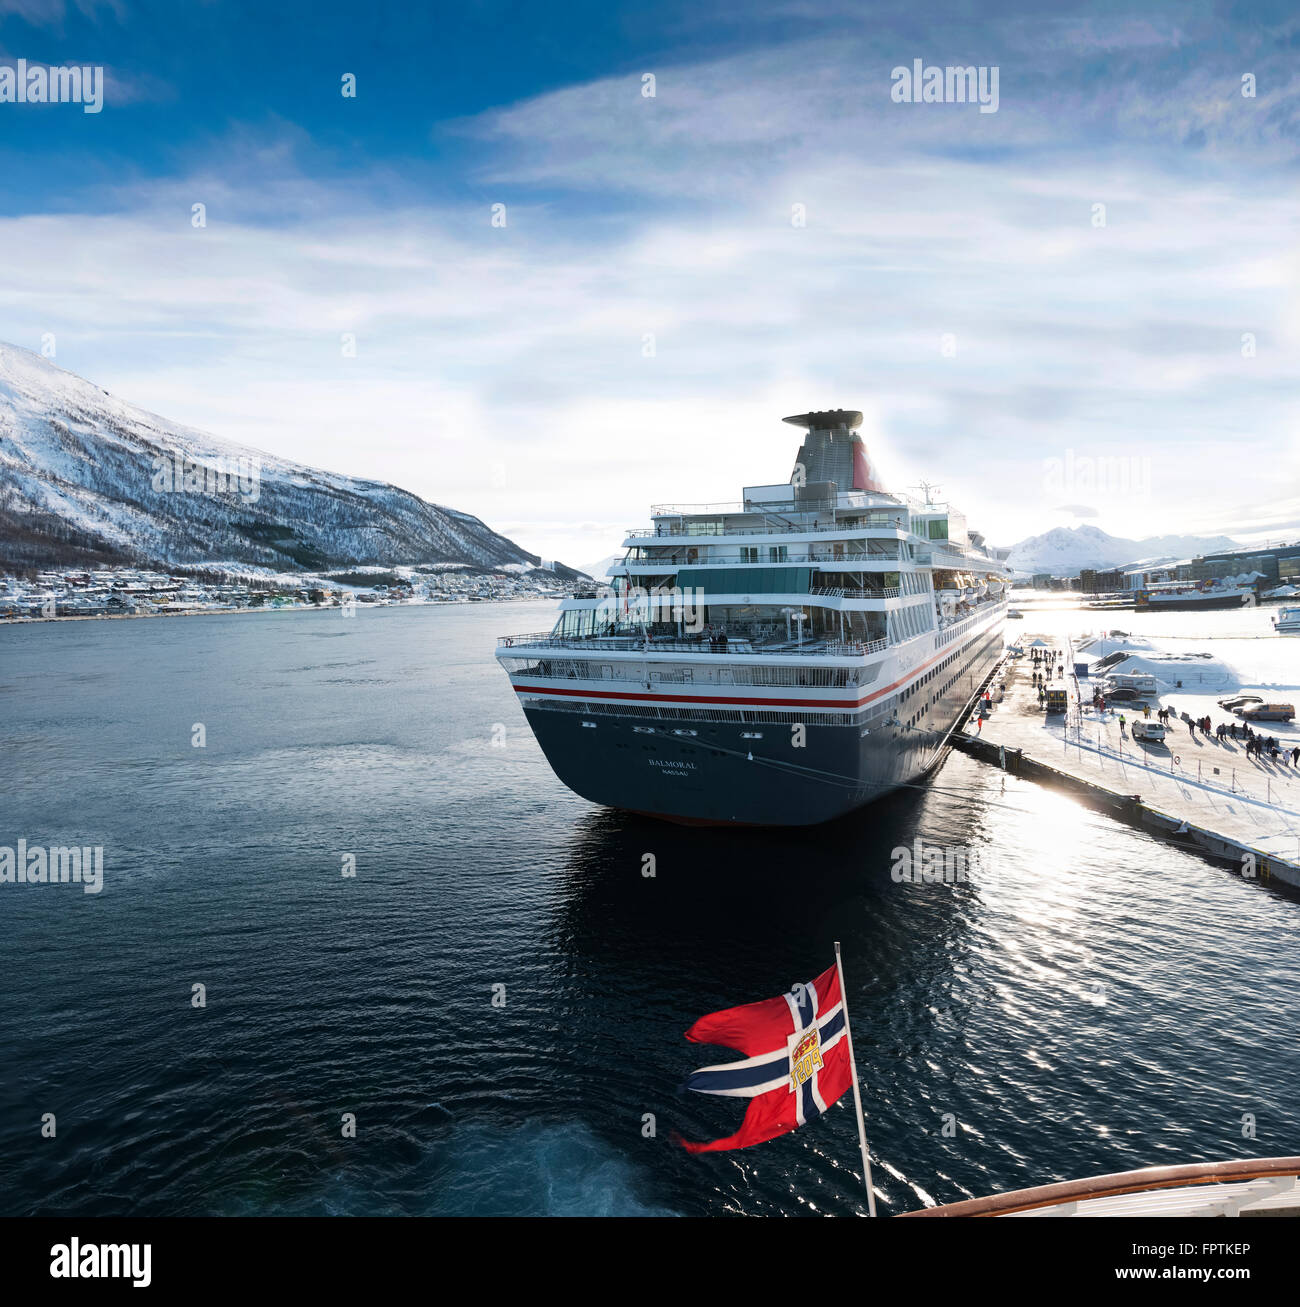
point(1239, 700)
point(1153, 731)
point(1266, 712)
point(1122, 695)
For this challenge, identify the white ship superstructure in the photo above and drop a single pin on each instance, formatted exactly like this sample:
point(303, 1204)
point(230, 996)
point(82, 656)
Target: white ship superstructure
point(779, 660)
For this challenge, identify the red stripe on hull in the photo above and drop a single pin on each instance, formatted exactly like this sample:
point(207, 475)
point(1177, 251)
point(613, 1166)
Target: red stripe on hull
point(694, 698)
point(859, 702)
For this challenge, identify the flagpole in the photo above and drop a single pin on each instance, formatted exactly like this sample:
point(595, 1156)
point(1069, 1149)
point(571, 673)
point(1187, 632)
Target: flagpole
point(857, 1096)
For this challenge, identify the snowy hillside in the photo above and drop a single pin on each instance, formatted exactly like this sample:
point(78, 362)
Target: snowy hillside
point(86, 478)
point(1064, 550)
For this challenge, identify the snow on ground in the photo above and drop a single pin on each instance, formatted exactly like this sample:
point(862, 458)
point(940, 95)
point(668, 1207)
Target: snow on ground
point(1209, 783)
point(1214, 655)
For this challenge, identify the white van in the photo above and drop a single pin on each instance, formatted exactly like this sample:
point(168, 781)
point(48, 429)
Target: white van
point(1153, 731)
point(1142, 682)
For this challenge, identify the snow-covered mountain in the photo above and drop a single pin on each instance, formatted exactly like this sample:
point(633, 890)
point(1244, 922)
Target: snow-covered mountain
point(86, 478)
point(597, 570)
point(1064, 550)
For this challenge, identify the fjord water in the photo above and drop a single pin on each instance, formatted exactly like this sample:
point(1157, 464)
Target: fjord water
point(1090, 1001)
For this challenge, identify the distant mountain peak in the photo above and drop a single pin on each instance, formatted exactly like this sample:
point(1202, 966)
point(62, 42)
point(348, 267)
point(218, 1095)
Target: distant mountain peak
point(1064, 550)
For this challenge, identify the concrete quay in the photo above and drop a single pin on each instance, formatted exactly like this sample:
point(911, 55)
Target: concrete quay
point(1197, 791)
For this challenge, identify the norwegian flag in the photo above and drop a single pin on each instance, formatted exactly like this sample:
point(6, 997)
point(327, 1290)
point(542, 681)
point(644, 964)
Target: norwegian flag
point(797, 1061)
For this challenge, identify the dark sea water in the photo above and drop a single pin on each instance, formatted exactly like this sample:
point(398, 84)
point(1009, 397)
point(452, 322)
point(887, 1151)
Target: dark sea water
point(1092, 1001)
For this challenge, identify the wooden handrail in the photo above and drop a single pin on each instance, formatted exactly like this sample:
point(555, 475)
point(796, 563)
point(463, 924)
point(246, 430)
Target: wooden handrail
point(1120, 1182)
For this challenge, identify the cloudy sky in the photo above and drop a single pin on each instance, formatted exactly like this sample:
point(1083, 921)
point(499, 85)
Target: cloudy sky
point(1084, 307)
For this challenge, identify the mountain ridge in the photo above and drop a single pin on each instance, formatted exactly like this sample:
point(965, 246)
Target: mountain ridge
point(88, 478)
point(1065, 550)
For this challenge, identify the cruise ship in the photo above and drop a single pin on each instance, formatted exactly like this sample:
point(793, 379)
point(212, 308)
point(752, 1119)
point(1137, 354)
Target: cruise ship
point(780, 661)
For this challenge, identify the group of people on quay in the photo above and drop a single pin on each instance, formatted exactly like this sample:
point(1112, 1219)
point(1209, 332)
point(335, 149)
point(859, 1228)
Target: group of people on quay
point(1049, 665)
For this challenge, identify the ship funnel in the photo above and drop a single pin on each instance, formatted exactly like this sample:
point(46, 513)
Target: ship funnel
point(833, 451)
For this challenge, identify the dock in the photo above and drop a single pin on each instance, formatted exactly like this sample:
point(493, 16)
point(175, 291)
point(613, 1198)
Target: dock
point(1201, 793)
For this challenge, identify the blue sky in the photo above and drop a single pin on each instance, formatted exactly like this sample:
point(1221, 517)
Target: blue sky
point(770, 232)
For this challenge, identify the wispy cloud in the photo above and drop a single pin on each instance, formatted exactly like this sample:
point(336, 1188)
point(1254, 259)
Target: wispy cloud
point(656, 302)
point(54, 14)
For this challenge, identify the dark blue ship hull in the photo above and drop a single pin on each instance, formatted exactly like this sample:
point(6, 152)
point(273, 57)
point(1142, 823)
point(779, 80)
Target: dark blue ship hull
point(695, 768)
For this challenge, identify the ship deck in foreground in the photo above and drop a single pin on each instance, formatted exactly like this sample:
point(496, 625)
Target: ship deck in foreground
point(779, 661)
point(1266, 1186)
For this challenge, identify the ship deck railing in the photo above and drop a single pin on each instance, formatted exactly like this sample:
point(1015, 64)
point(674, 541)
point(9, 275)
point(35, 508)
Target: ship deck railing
point(872, 501)
point(951, 627)
point(738, 645)
point(847, 592)
point(849, 562)
point(773, 528)
point(959, 553)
